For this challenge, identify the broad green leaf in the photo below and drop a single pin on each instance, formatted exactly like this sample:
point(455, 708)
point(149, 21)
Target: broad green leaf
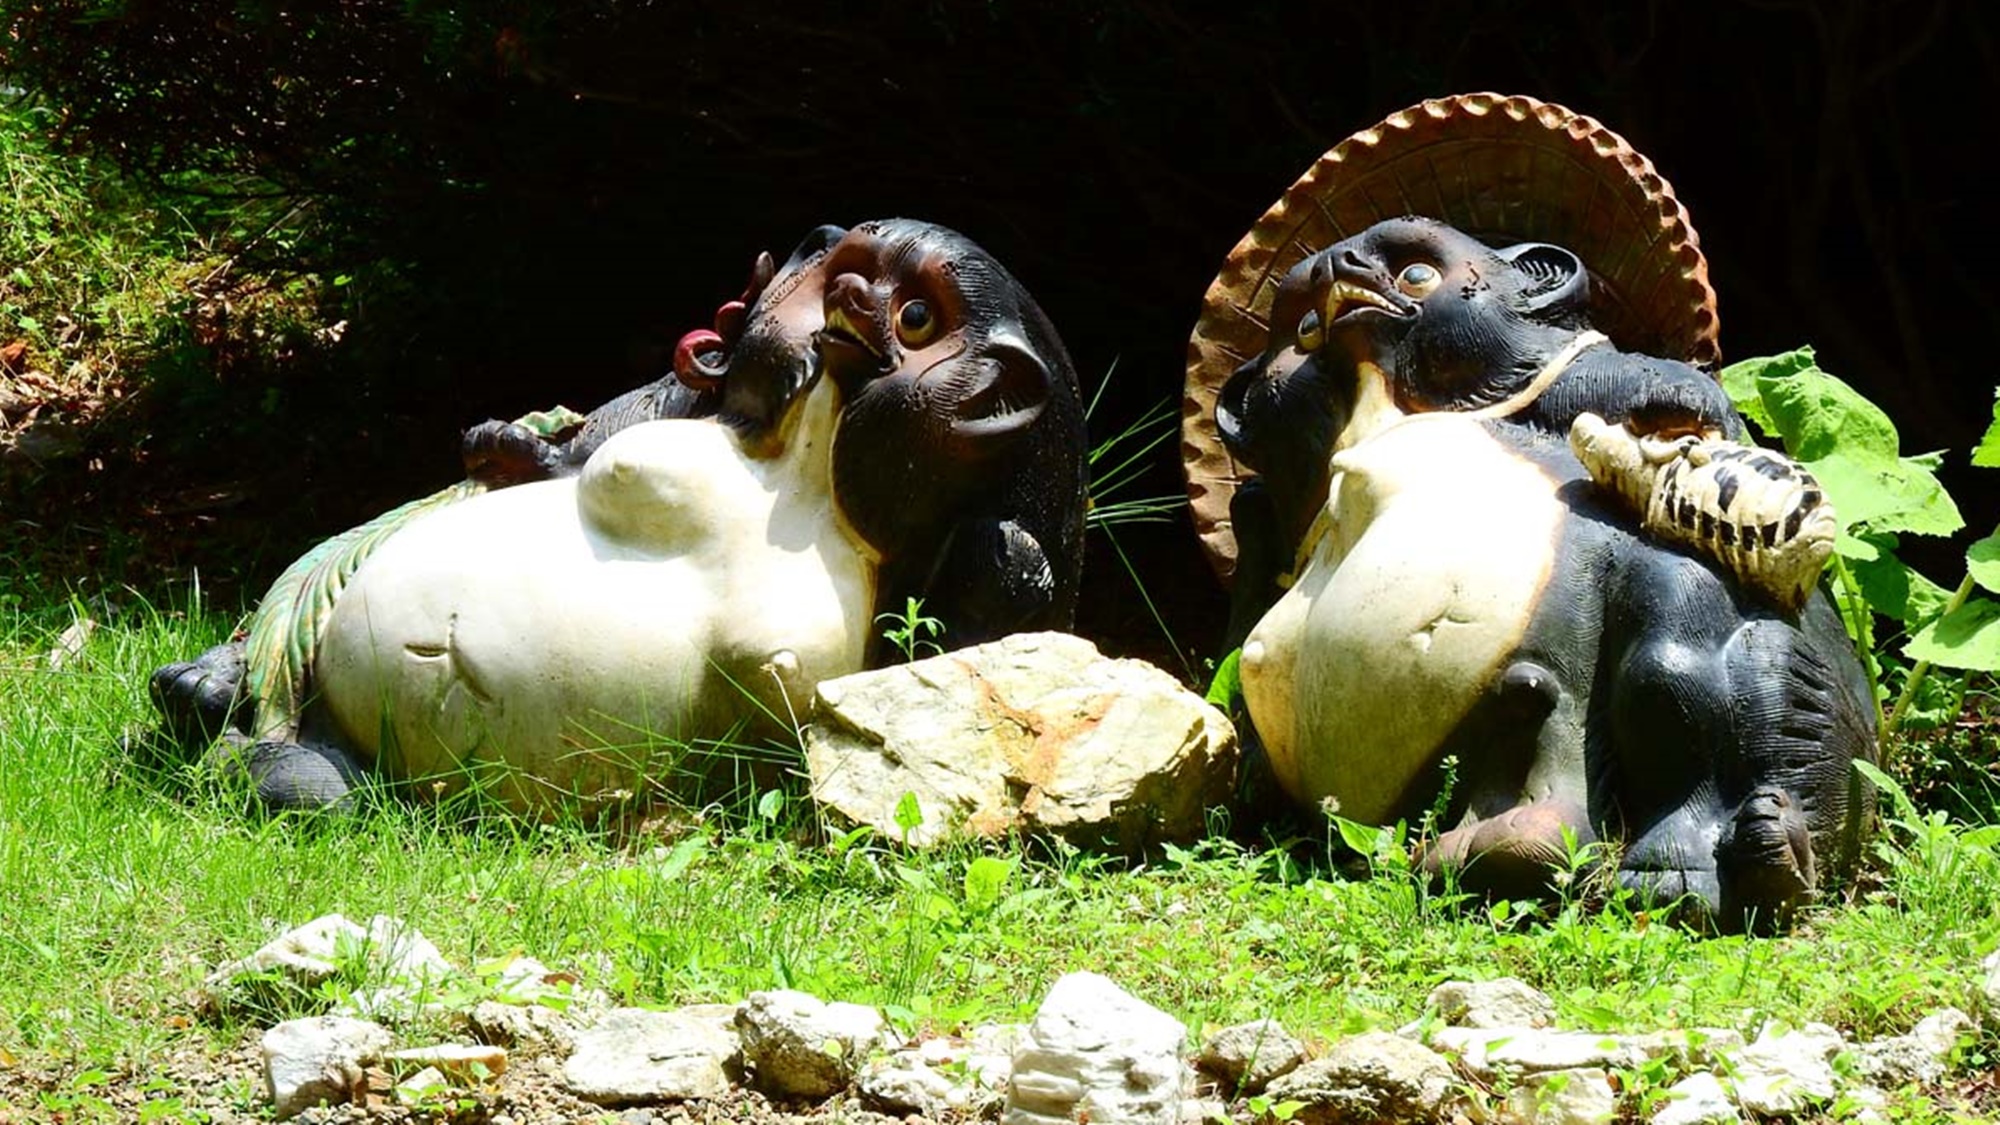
point(1967, 637)
point(681, 858)
point(1740, 381)
point(909, 814)
point(1984, 836)
point(1982, 561)
point(1885, 494)
point(1855, 547)
point(1819, 413)
point(1227, 685)
point(1363, 838)
point(1819, 416)
point(771, 804)
point(985, 880)
point(1905, 808)
point(1892, 588)
point(1987, 455)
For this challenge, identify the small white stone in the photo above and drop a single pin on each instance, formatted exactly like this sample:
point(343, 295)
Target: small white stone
point(309, 1061)
point(798, 1045)
point(639, 1055)
point(1565, 1097)
point(465, 1064)
point(1698, 1099)
point(1095, 1051)
point(1989, 989)
point(421, 1085)
point(1376, 1076)
point(1505, 1002)
point(1248, 1056)
point(1487, 1051)
point(527, 1027)
point(1920, 1056)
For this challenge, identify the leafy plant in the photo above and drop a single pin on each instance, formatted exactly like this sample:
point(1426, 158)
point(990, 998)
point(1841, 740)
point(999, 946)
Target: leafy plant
point(1850, 445)
point(910, 630)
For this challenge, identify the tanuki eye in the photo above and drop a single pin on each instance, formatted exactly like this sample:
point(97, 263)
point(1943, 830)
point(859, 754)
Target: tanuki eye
point(914, 323)
point(1308, 333)
point(1418, 279)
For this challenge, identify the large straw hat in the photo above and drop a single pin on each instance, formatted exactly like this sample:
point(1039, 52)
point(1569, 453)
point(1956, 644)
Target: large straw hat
point(1503, 169)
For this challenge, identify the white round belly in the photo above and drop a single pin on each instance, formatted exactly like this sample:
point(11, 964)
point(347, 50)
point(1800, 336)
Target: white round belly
point(1423, 573)
point(572, 636)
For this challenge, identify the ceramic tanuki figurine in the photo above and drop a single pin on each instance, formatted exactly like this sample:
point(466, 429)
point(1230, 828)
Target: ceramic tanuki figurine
point(889, 415)
point(1425, 568)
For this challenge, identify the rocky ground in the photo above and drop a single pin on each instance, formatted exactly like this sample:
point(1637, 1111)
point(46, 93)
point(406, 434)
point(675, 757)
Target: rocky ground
point(530, 1045)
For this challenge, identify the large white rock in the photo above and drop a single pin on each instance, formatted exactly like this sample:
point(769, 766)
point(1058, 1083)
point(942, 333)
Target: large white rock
point(640, 1055)
point(1920, 1056)
point(566, 638)
point(1786, 1071)
point(1036, 731)
point(797, 1045)
point(1377, 1076)
point(310, 1061)
point(1505, 1002)
point(1248, 1056)
point(395, 955)
point(1095, 1052)
point(943, 1074)
point(1489, 1052)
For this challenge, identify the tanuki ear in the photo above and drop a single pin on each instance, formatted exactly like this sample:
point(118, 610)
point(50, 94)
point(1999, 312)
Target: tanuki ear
point(997, 395)
point(1557, 284)
point(815, 242)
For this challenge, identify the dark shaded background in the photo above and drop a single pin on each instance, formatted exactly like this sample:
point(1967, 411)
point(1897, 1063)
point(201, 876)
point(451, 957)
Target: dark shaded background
point(533, 202)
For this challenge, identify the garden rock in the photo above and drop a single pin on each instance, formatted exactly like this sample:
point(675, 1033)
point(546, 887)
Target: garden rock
point(1036, 732)
point(1920, 1056)
point(422, 1084)
point(639, 1055)
point(945, 1073)
point(312, 953)
point(462, 1063)
point(1564, 1097)
point(1096, 1052)
point(44, 440)
point(1784, 1072)
point(1487, 1052)
point(309, 1061)
point(1989, 989)
point(1247, 1057)
point(1505, 1002)
point(1372, 1077)
point(1698, 1099)
point(797, 1045)
point(529, 1027)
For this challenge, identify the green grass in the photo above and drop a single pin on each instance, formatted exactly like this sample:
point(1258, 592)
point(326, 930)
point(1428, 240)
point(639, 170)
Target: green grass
point(119, 891)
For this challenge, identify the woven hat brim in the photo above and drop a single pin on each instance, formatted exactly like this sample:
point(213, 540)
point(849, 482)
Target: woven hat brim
point(1503, 169)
